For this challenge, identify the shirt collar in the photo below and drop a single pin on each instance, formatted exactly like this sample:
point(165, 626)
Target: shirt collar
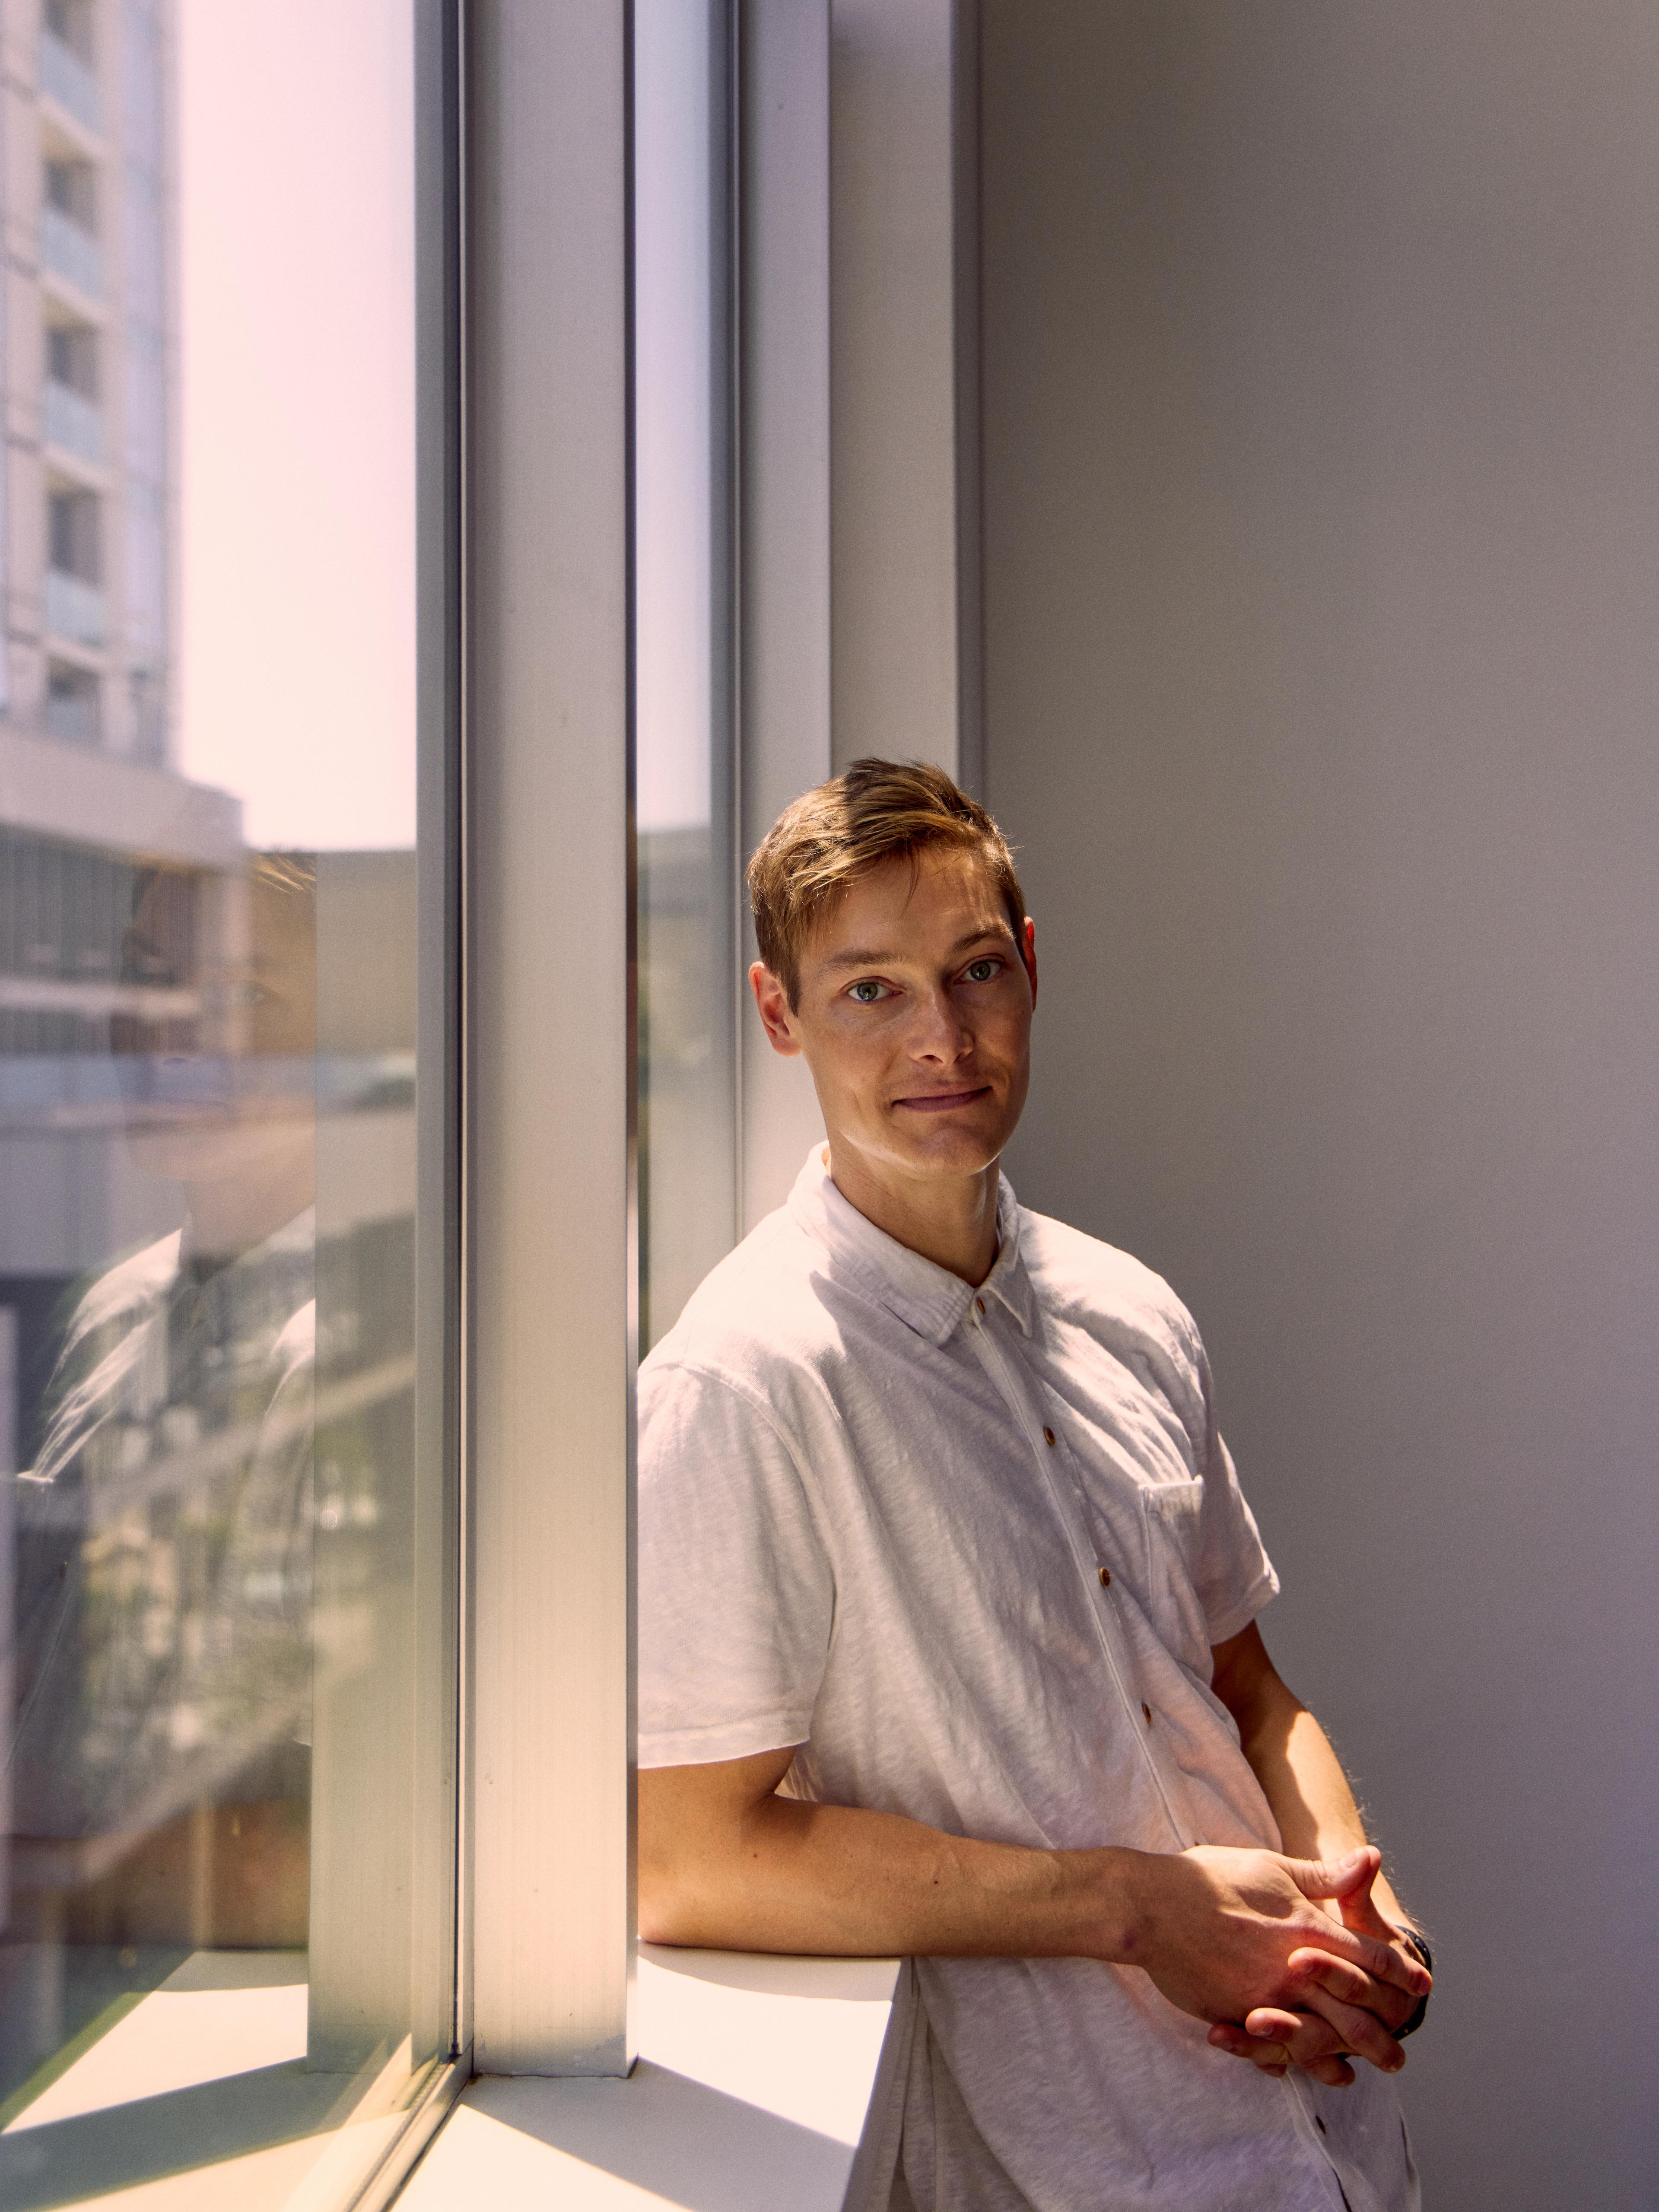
point(926, 1297)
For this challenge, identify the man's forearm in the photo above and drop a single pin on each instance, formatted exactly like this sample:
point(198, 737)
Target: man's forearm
point(1302, 1781)
point(834, 1879)
point(725, 1863)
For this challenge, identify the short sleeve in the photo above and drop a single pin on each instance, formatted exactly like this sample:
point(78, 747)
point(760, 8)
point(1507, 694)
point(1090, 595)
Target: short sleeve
point(1235, 1577)
point(736, 1594)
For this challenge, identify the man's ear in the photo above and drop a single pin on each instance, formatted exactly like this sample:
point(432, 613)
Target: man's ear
point(776, 1020)
point(1028, 953)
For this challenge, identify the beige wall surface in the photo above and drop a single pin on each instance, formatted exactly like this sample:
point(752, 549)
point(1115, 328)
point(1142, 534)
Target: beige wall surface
point(892, 366)
point(1321, 497)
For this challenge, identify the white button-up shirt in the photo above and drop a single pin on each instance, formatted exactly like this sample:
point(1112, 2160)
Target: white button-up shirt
point(969, 1550)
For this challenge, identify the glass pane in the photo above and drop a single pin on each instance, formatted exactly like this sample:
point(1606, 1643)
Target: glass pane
point(687, 912)
point(221, 1551)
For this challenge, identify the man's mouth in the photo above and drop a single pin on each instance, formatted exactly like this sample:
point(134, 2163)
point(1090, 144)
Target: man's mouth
point(941, 1102)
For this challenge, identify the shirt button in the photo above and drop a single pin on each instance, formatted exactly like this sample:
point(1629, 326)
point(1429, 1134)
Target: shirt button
point(1105, 1578)
point(1148, 1709)
point(1047, 1436)
point(980, 1302)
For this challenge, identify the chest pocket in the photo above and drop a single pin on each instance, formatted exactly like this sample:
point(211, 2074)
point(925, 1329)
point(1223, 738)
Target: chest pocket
point(1173, 1513)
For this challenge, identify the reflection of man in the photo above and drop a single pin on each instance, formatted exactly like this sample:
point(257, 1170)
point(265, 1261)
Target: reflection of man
point(165, 1563)
point(947, 1612)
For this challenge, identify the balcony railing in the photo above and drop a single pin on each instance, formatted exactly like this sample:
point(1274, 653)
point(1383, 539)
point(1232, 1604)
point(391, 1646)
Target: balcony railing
point(72, 252)
point(65, 78)
point(74, 608)
point(73, 422)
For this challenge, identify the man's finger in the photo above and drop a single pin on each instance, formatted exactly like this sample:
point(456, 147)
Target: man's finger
point(1262, 2051)
point(1360, 1910)
point(1352, 1984)
point(1274, 2058)
point(1354, 1871)
point(1304, 2038)
point(1339, 1976)
point(1382, 1960)
point(1356, 2030)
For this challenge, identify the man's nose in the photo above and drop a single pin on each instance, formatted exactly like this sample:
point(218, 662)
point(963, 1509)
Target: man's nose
point(940, 1032)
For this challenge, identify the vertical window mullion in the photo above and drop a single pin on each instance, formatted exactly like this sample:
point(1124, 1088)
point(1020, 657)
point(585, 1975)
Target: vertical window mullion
point(550, 1294)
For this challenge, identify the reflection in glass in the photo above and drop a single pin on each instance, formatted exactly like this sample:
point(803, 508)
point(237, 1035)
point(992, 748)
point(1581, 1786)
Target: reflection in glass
point(687, 868)
point(215, 1570)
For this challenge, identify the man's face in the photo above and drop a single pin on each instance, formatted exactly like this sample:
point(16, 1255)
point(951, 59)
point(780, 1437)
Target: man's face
point(914, 1017)
point(244, 1100)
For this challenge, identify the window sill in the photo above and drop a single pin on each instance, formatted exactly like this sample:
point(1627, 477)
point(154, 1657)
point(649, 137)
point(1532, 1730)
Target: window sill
point(758, 2080)
point(198, 2094)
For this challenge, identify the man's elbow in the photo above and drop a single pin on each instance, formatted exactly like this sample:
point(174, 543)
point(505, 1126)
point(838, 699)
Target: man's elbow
point(696, 1838)
point(665, 1911)
point(678, 1889)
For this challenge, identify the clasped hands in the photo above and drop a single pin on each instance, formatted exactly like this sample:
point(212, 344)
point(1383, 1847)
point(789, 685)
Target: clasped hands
point(1217, 1947)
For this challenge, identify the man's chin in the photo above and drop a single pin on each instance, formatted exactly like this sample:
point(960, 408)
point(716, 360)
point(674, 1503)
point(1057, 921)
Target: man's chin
point(947, 1147)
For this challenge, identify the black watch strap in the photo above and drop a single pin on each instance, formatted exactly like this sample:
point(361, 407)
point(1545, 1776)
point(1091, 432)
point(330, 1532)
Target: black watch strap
point(1420, 1944)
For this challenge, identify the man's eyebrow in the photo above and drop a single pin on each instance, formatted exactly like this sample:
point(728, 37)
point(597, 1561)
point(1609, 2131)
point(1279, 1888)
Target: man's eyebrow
point(999, 930)
point(858, 959)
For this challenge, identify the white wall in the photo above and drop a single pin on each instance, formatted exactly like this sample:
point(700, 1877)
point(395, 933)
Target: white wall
point(894, 582)
point(1321, 415)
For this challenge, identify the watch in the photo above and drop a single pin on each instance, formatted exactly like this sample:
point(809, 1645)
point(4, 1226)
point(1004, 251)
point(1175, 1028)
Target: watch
point(1420, 1944)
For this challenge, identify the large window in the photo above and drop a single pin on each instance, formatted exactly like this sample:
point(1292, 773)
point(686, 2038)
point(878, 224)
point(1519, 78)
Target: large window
point(227, 1521)
point(372, 518)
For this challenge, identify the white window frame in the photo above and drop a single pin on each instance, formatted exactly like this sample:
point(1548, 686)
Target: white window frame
point(550, 1235)
point(548, 1286)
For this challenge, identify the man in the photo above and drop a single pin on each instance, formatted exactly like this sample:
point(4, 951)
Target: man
point(948, 1599)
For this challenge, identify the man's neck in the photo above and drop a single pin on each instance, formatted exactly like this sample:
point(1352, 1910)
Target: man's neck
point(953, 1223)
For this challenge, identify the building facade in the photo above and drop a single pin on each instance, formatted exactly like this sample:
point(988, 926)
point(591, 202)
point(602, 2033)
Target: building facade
point(93, 817)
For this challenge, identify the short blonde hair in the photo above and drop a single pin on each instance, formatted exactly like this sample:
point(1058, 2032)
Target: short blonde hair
point(828, 837)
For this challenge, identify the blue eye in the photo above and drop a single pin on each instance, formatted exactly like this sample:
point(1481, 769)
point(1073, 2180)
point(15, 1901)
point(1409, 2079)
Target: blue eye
point(868, 993)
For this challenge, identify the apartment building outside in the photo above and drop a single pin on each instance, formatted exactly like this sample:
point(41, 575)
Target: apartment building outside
point(90, 335)
point(92, 808)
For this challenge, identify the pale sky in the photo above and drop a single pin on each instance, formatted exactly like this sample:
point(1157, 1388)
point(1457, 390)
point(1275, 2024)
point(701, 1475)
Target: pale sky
point(671, 279)
point(297, 272)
